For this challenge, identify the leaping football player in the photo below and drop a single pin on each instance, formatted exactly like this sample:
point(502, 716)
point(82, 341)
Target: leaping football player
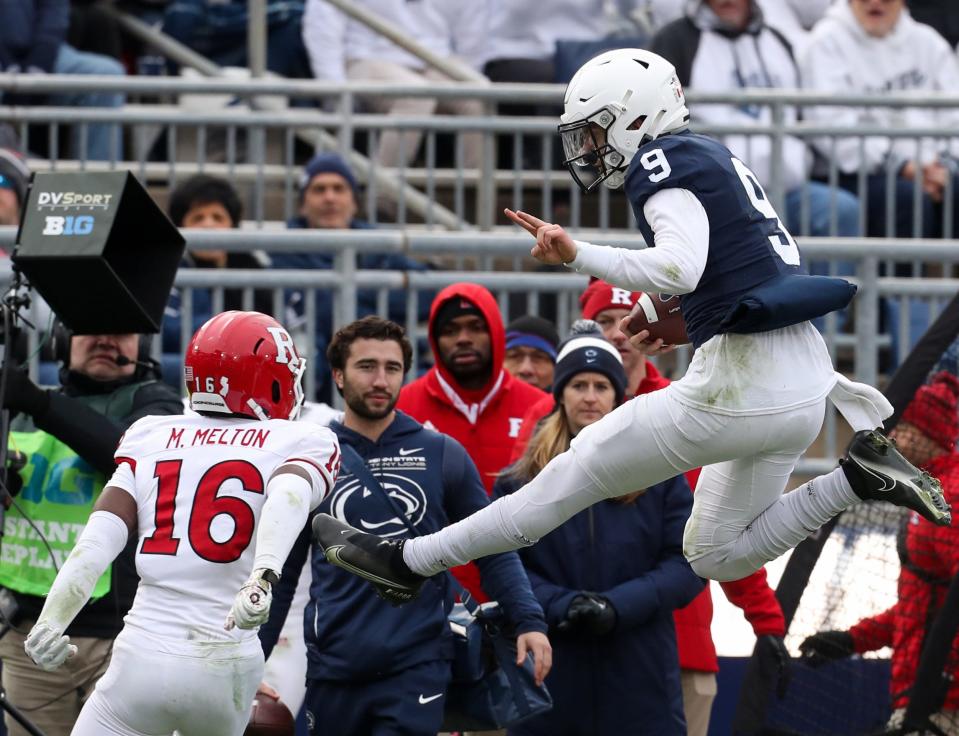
point(754, 396)
point(195, 490)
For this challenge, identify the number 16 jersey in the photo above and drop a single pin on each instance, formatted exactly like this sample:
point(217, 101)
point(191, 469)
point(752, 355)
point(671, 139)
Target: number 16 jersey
point(200, 484)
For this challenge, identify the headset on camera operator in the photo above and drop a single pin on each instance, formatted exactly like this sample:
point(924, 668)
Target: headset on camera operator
point(69, 435)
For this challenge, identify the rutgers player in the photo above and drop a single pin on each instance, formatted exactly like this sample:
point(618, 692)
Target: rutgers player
point(194, 488)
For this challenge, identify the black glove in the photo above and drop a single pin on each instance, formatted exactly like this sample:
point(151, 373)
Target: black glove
point(775, 662)
point(826, 646)
point(23, 395)
point(589, 614)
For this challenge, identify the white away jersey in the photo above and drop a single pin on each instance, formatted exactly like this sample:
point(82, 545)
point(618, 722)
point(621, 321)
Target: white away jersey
point(200, 484)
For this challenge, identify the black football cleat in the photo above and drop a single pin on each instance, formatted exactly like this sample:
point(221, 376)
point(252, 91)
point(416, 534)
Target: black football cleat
point(877, 471)
point(378, 560)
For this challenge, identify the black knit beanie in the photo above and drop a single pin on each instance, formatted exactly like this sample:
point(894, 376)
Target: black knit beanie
point(586, 350)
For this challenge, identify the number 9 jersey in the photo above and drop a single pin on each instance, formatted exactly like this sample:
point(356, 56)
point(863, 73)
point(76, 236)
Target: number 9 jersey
point(200, 484)
point(748, 243)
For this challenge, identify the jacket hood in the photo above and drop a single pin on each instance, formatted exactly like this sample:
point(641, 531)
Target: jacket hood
point(400, 429)
point(840, 14)
point(703, 17)
point(486, 303)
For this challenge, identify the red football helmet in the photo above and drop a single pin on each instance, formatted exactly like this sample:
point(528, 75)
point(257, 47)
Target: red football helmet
point(244, 363)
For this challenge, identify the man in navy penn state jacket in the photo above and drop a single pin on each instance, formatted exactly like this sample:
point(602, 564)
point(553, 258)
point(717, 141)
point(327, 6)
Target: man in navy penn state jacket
point(374, 669)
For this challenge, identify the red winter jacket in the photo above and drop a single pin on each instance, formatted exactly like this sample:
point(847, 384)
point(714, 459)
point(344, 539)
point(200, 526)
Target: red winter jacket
point(486, 421)
point(752, 594)
point(932, 554)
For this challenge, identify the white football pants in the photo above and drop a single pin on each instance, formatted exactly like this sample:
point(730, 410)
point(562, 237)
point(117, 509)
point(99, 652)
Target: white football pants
point(146, 692)
point(740, 520)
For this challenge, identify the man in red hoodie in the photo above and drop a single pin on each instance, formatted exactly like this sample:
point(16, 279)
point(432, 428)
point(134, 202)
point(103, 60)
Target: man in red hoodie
point(607, 305)
point(468, 394)
point(929, 557)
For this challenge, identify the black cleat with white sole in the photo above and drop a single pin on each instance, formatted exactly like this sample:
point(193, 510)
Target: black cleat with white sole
point(378, 560)
point(877, 471)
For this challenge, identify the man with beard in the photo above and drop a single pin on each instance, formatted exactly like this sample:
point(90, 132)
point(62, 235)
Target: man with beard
point(372, 668)
point(468, 394)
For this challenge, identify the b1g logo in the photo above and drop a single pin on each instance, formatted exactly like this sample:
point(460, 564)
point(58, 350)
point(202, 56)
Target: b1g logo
point(68, 225)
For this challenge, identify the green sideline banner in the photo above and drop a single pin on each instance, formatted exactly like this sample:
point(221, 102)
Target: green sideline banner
point(59, 490)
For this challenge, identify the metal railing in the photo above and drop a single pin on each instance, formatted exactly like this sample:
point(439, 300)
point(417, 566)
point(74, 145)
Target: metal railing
point(858, 347)
point(257, 144)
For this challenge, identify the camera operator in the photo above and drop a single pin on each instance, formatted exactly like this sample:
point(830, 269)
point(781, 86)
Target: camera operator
point(69, 435)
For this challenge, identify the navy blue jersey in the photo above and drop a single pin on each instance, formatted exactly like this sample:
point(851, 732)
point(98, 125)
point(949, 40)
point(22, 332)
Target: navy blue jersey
point(748, 244)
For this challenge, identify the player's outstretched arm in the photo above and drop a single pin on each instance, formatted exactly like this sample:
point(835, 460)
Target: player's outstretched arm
point(553, 244)
point(290, 497)
point(103, 538)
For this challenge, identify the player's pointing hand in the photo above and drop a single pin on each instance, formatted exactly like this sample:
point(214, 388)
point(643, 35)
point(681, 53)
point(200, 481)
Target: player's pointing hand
point(553, 244)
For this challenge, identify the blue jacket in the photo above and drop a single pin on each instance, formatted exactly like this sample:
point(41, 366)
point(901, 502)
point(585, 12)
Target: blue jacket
point(365, 298)
point(353, 635)
point(31, 32)
point(626, 683)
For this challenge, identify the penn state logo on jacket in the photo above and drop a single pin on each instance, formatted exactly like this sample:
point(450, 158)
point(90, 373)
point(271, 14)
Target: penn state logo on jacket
point(366, 509)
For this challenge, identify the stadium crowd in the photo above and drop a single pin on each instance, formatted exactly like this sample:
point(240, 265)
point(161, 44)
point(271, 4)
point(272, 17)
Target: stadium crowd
point(498, 394)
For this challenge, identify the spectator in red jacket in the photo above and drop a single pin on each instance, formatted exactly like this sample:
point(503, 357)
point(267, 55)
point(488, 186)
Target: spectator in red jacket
point(468, 394)
point(607, 305)
point(929, 557)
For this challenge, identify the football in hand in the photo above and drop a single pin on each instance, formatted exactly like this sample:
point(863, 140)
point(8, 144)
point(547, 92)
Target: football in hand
point(269, 717)
point(661, 315)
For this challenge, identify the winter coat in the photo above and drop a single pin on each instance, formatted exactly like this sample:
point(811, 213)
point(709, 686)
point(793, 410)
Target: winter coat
point(627, 682)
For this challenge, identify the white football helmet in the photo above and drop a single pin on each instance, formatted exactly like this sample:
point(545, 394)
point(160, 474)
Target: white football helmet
point(615, 103)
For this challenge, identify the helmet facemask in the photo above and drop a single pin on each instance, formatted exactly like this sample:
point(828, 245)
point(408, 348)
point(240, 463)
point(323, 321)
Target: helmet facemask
point(298, 370)
point(589, 156)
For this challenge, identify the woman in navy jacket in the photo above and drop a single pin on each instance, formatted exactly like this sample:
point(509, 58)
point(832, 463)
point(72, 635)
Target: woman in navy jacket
point(610, 577)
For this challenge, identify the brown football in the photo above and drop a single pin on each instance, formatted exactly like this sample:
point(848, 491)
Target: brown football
point(269, 717)
point(661, 315)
